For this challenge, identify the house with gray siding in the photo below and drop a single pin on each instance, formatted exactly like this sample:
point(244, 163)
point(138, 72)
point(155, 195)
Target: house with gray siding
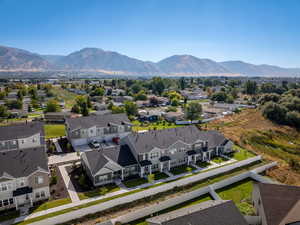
point(153, 151)
point(160, 150)
point(24, 174)
point(83, 130)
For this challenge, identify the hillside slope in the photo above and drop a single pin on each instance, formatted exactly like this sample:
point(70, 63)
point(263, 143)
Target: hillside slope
point(251, 130)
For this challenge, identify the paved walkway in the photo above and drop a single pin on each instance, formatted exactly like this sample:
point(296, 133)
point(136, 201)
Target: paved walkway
point(70, 187)
point(77, 202)
point(63, 158)
point(213, 193)
point(57, 146)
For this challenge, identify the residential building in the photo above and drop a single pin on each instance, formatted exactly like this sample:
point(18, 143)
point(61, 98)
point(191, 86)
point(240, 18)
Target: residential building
point(159, 150)
point(21, 136)
point(109, 164)
point(277, 204)
point(83, 130)
point(218, 212)
point(24, 175)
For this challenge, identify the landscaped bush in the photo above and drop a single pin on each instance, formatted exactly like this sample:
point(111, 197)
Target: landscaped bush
point(53, 180)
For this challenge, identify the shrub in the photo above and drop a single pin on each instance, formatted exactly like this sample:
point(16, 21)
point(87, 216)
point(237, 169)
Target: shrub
point(53, 180)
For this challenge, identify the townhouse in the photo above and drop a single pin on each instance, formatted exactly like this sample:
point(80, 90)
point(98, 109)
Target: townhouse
point(83, 130)
point(160, 150)
point(24, 174)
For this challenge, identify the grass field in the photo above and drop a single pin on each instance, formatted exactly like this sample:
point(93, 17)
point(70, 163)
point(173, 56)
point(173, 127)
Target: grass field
point(54, 130)
point(182, 169)
point(138, 126)
point(135, 182)
point(51, 204)
point(99, 191)
point(241, 153)
point(219, 159)
point(65, 95)
point(240, 193)
point(176, 207)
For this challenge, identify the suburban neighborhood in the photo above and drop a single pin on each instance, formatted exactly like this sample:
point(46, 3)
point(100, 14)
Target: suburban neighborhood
point(97, 152)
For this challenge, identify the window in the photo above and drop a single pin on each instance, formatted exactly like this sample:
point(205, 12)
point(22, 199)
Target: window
point(0, 203)
point(154, 155)
point(22, 182)
point(14, 142)
point(11, 201)
point(5, 202)
point(172, 151)
point(3, 187)
point(39, 180)
point(22, 141)
point(33, 140)
point(91, 131)
point(37, 195)
point(43, 194)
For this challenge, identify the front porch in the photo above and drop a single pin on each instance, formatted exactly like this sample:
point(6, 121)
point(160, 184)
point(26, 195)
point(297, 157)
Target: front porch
point(22, 196)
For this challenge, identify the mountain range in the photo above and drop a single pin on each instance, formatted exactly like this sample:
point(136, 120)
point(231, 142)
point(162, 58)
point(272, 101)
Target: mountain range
point(108, 62)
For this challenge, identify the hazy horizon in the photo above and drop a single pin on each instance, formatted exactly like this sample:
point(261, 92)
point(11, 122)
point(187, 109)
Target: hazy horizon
point(258, 32)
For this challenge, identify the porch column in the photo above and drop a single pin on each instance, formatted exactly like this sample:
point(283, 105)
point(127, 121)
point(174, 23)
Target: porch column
point(16, 202)
point(195, 159)
point(161, 166)
point(31, 203)
point(142, 171)
point(169, 165)
point(217, 151)
point(209, 153)
point(150, 169)
point(203, 156)
point(188, 160)
point(122, 174)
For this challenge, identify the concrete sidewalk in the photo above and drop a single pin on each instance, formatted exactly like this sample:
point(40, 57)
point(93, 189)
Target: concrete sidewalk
point(63, 158)
point(70, 187)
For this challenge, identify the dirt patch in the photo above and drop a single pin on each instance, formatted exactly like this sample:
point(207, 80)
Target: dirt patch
point(76, 172)
point(58, 189)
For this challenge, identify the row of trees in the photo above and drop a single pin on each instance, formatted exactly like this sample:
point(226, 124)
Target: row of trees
point(282, 109)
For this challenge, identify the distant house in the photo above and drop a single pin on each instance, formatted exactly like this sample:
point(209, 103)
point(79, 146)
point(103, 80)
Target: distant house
point(58, 117)
point(24, 175)
point(277, 204)
point(83, 130)
point(218, 212)
point(173, 116)
point(151, 115)
point(196, 94)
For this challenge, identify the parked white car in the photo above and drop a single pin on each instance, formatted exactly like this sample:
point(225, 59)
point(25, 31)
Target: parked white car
point(95, 144)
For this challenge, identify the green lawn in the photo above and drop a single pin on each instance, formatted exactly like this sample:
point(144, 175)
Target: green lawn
point(176, 207)
point(65, 95)
point(9, 215)
point(160, 125)
point(135, 182)
point(240, 193)
point(219, 159)
point(203, 164)
point(241, 153)
point(159, 176)
point(192, 187)
point(99, 191)
point(54, 130)
point(182, 169)
point(51, 204)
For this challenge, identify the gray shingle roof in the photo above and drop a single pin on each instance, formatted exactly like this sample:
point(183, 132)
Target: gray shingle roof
point(99, 159)
point(96, 120)
point(144, 142)
point(21, 163)
point(281, 203)
point(217, 212)
point(21, 130)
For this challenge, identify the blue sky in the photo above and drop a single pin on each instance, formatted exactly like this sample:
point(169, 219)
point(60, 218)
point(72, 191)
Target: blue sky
point(256, 31)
